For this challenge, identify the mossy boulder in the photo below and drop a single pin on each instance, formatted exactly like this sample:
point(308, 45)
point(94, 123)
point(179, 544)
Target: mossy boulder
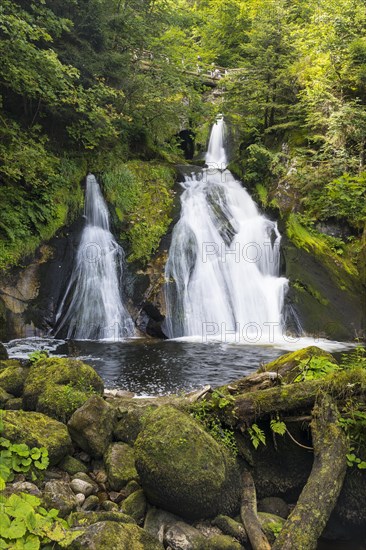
point(12, 379)
point(290, 365)
point(182, 469)
point(58, 386)
point(120, 465)
point(61, 402)
point(105, 535)
point(91, 426)
point(37, 430)
point(83, 519)
point(135, 506)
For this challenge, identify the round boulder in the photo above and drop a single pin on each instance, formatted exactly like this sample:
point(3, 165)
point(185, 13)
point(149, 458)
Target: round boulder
point(182, 469)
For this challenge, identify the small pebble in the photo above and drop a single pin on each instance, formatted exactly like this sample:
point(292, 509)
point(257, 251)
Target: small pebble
point(116, 497)
point(80, 498)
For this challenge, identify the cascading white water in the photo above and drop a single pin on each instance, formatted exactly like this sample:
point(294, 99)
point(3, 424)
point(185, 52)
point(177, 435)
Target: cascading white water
point(222, 274)
point(92, 307)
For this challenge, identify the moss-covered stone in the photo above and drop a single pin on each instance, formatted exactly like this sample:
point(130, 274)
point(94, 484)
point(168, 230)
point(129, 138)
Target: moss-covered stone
point(135, 506)
point(4, 364)
point(223, 542)
point(83, 519)
point(271, 525)
point(14, 404)
point(4, 397)
point(76, 378)
point(120, 465)
point(289, 365)
point(58, 494)
point(231, 527)
point(72, 465)
point(61, 402)
point(12, 379)
point(105, 535)
point(131, 421)
point(37, 430)
point(183, 469)
point(91, 426)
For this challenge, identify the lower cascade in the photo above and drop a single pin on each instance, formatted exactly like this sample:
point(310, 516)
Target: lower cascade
point(92, 307)
point(222, 273)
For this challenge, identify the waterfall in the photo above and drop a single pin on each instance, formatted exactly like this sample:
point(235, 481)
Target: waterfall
point(92, 307)
point(222, 274)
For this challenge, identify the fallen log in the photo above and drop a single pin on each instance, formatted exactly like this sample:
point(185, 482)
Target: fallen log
point(248, 514)
point(319, 496)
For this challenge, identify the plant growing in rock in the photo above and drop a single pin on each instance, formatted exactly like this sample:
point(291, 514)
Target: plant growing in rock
point(37, 356)
point(19, 458)
point(206, 412)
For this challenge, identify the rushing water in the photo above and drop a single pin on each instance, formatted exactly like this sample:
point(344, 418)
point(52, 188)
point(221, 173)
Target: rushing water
point(92, 307)
point(222, 274)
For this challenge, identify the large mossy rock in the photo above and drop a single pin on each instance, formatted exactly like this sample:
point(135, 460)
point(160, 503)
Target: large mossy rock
point(37, 430)
point(290, 365)
point(107, 535)
point(13, 377)
point(58, 386)
point(120, 465)
point(91, 426)
point(182, 469)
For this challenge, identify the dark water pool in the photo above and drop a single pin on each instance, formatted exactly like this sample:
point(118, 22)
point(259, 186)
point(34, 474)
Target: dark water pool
point(155, 367)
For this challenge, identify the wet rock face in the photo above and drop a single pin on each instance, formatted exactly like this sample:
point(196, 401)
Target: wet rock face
point(325, 308)
point(182, 469)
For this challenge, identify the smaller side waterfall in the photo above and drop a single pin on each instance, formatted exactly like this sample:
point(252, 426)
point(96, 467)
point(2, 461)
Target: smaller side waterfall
point(92, 307)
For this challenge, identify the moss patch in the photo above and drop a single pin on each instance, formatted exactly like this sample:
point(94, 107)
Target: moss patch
point(37, 430)
point(183, 469)
point(58, 386)
point(142, 196)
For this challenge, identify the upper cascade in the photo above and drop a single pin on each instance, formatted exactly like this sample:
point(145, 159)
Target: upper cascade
point(216, 154)
point(92, 307)
point(222, 273)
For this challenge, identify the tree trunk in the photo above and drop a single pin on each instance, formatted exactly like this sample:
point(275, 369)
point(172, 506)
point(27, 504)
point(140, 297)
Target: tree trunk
point(319, 496)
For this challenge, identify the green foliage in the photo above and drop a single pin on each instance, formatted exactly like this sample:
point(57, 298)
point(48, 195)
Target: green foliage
point(207, 413)
point(277, 426)
point(25, 524)
point(19, 458)
point(257, 435)
point(314, 368)
point(141, 193)
point(275, 527)
point(37, 356)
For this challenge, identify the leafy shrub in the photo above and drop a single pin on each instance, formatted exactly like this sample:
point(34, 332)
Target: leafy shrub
point(26, 525)
point(19, 458)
